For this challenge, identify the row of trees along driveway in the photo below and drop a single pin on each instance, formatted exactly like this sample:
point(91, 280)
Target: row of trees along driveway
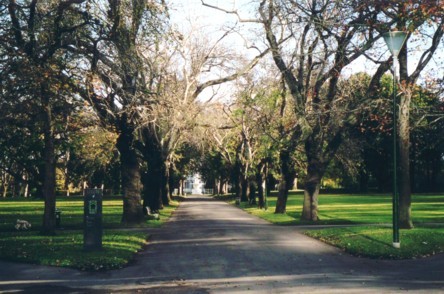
point(129, 65)
point(141, 76)
point(312, 42)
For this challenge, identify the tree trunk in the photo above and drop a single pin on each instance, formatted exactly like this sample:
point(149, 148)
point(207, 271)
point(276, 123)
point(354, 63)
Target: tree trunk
point(165, 176)
point(5, 189)
point(221, 186)
point(156, 179)
point(315, 170)
point(281, 203)
point(26, 190)
point(49, 182)
point(130, 172)
point(311, 193)
point(67, 179)
point(16, 188)
point(405, 197)
point(152, 196)
point(252, 193)
point(245, 189)
point(269, 179)
point(181, 183)
point(286, 181)
point(171, 181)
point(153, 187)
point(260, 188)
point(237, 180)
point(215, 186)
point(3, 184)
point(318, 158)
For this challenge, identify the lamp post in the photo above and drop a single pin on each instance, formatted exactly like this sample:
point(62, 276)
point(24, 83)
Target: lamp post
point(395, 40)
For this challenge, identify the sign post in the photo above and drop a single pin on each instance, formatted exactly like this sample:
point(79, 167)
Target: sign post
point(92, 220)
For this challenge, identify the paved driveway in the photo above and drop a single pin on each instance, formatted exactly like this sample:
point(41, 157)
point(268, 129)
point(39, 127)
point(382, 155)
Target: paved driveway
point(212, 247)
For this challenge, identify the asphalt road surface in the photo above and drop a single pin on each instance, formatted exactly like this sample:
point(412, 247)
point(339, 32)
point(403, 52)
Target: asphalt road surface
point(211, 247)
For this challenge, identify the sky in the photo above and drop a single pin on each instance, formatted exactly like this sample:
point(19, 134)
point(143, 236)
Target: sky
point(187, 13)
point(212, 20)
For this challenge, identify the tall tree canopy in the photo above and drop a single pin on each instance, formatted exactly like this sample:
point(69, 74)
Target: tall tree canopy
point(312, 43)
point(34, 62)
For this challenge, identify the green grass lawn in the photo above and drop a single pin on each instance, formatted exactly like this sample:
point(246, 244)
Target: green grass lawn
point(72, 213)
point(376, 242)
point(368, 212)
point(353, 209)
point(66, 247)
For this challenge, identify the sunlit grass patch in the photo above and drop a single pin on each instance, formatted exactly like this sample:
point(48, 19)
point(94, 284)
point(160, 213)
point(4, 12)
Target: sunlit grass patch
point(376, 242)
point(71, 213)
point(367, 239)
point(352, 209)
point(66, 249)
point(281, 219)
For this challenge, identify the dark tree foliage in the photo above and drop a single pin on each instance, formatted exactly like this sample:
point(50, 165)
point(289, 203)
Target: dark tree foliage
point(34, 61)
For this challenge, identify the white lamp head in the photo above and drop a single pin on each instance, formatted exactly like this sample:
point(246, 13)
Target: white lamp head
point(395, 40)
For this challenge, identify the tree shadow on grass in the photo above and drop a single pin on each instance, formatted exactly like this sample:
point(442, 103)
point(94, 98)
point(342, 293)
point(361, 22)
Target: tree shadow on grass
point(331, 221)
point(366, 237)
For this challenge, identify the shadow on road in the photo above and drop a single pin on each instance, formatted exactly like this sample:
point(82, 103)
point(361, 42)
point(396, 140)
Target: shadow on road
point(209, 245)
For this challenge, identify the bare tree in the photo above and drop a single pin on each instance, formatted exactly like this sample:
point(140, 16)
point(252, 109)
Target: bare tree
point(187, 63)
point(311, 42)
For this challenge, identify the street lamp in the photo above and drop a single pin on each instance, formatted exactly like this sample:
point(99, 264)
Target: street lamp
point(395, 40)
